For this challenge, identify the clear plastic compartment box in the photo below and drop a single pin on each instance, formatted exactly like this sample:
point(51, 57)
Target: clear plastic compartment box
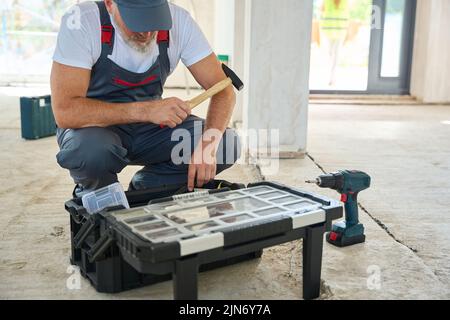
point(109, 196)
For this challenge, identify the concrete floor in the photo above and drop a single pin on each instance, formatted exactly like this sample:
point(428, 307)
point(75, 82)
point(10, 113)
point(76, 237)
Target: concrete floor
point(405, 149)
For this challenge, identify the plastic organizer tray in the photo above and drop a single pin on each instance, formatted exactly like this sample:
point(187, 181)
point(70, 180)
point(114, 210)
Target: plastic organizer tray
point(197, 214)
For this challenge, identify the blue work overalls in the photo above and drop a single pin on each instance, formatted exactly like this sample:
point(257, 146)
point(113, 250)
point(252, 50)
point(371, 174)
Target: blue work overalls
point(96, 155)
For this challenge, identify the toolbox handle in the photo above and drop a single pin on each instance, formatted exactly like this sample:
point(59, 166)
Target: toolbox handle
point(101, 246)
point(89, 225)
point(84, 232)
point(76, 211)
point(191, 195)
point(42, 101)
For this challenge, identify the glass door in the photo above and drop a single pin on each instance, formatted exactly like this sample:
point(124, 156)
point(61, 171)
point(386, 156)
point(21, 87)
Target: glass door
point(340, 45)
point(391, 47)
point(362, 46)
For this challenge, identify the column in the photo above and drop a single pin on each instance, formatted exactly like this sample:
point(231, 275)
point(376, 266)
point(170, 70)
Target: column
point(430, 79)
point(277, 40)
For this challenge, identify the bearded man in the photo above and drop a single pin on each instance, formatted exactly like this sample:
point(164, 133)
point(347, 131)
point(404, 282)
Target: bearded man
point(110, 65)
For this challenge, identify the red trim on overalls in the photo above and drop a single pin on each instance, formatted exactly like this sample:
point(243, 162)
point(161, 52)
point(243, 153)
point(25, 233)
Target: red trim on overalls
point(131, 84)
point(106, 38)
point(107, 32)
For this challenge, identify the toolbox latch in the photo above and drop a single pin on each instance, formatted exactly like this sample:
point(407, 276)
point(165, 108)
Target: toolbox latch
point(101, 246)
point(84, 232)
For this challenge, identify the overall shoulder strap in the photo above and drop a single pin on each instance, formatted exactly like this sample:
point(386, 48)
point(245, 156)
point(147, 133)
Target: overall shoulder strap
point(163, 40)
point(107, 30)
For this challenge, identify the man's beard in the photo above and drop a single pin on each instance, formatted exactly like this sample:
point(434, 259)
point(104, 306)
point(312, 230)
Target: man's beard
point(132, 41)
point(142, 47)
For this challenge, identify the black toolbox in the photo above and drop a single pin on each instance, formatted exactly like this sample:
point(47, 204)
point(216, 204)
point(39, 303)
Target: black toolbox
point(111, 273)
point(115, 257)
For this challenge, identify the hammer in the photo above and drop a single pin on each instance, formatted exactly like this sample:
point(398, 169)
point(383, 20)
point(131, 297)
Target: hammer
point(232, 78)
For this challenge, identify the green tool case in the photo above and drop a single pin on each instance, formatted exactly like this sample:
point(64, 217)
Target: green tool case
point(37, 118)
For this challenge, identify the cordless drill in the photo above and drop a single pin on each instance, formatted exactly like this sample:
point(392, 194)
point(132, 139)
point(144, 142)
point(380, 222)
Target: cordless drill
point(348, 183)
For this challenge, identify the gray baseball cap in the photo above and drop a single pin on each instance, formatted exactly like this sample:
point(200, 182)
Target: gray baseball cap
point(145, 15)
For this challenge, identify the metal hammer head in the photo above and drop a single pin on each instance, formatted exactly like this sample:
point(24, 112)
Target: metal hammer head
point(237, 83)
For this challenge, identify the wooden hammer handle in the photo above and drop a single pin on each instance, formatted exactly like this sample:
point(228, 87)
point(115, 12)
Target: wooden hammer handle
point(194, 102)
point(209, 93)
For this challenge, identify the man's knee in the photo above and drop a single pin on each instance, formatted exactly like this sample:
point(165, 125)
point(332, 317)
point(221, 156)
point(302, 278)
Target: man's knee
point(92, 152)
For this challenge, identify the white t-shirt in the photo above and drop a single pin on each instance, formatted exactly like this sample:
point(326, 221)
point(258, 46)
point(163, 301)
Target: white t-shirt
point(79, 44)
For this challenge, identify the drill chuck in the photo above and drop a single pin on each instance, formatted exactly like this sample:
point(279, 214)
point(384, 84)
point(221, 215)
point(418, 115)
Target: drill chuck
point(331, 181)
point(326, 181)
